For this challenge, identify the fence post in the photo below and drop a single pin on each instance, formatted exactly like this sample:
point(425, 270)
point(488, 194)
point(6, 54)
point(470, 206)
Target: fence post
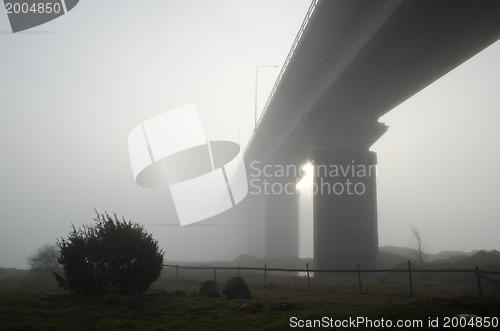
point(409, 274)
point(308, 278)
point(478, 277)
point(177, 272)
point(215, 275)
point(265, 275)
point(359, 280)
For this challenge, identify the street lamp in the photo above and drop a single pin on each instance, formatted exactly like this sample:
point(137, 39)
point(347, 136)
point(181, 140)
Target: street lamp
point(256, 75)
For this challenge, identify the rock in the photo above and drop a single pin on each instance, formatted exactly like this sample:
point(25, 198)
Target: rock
point(236, 288)
point(209, 289)
point(133, 303)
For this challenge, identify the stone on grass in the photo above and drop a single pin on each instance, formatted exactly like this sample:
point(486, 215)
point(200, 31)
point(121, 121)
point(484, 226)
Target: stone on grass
point(236, 288)
point(209, 289)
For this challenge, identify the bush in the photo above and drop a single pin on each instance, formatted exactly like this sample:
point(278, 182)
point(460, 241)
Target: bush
point(110, 256)
point(44, 260)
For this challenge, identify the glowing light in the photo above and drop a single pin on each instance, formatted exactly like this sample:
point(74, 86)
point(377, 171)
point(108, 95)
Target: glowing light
point(308, 170)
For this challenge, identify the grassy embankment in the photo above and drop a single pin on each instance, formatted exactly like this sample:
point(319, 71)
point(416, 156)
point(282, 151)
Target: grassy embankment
point(31, 302)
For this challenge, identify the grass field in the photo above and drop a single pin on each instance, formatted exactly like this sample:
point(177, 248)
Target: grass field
point(32, 302)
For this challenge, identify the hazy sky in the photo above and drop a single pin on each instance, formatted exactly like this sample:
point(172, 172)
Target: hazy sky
point(71, 91)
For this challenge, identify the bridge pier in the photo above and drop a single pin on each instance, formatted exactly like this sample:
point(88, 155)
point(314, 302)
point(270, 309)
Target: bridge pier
point(282, 215)
point(345, 209)
point(344, 190)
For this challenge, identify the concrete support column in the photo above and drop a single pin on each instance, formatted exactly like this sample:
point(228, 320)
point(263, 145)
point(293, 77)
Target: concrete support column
point(345, 209)
point(282, 219)
point(254, 212)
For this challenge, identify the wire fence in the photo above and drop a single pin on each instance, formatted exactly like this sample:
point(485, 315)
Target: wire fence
point(361, 276)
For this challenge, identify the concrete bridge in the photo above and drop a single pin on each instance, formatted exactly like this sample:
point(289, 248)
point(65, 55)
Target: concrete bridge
point(352, 62)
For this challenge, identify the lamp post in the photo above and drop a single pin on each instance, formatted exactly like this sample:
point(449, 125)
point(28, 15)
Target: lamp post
point(256, 80)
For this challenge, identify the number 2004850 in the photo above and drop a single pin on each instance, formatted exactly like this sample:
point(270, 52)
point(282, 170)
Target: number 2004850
point(35, 8)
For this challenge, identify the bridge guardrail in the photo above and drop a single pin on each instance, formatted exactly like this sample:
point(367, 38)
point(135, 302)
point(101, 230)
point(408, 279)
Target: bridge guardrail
point(285, 65)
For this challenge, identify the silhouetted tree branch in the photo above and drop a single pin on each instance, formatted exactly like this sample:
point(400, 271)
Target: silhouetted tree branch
point(417, 247)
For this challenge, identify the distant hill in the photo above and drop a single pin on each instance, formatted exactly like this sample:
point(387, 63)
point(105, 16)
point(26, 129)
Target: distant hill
point(390, 257)
point(405, 251)
point(486, 260)
point(388, 260)
point(448, 254)
point(245, 260)
point(483, 259)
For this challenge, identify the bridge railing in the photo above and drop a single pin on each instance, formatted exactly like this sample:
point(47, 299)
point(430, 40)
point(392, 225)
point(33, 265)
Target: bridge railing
point(285, 65)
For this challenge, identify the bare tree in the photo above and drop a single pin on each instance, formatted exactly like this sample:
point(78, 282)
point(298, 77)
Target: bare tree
point(44, 260)
point(418, 253)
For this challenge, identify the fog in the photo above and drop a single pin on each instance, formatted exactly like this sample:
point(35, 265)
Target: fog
point(73, 89)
